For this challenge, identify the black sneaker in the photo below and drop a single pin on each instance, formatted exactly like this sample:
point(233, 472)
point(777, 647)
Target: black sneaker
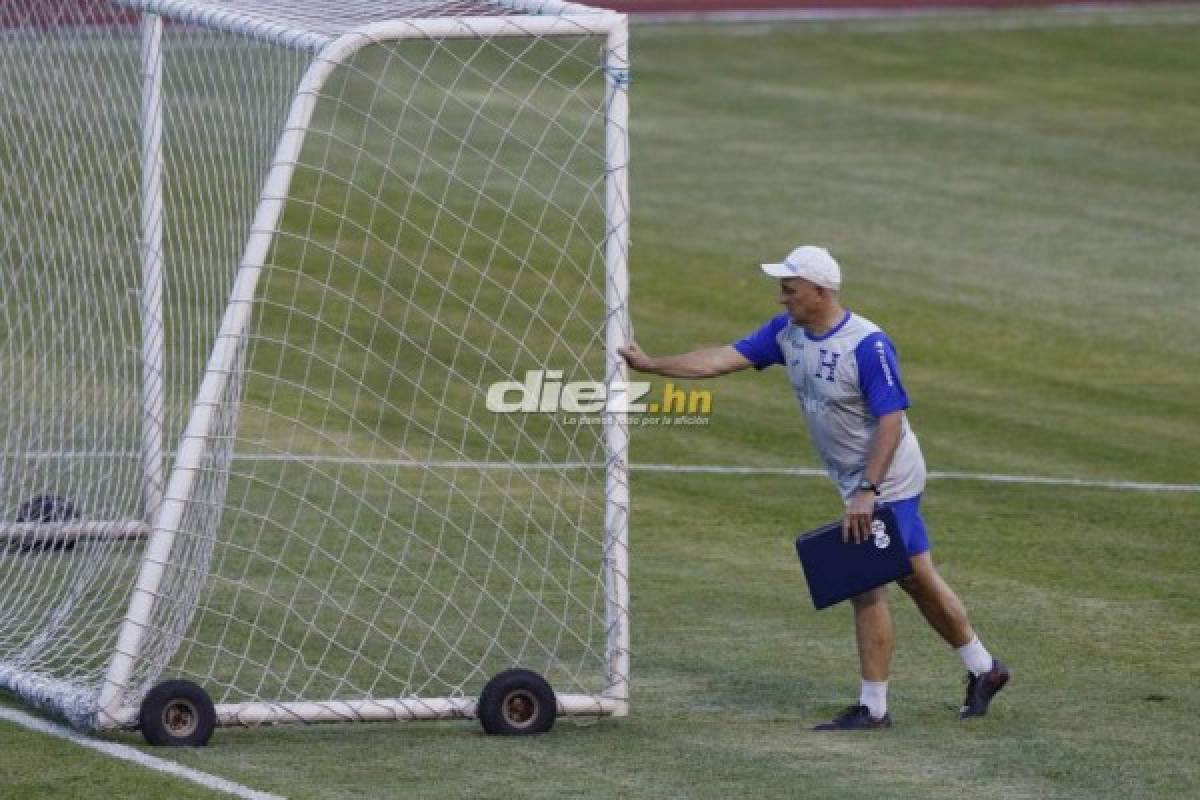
point(982, 688)
point(855, 718)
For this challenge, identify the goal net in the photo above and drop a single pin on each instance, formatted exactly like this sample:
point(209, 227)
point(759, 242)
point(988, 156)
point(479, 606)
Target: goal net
point(259, 264)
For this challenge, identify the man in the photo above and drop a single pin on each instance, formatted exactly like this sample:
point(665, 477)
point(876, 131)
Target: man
point(845, 374)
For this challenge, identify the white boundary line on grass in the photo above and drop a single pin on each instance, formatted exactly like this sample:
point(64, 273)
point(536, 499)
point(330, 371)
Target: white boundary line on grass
point(982, 477)
point(711, 469)
point(899, 20)
point(126, 753)
point(717, 469)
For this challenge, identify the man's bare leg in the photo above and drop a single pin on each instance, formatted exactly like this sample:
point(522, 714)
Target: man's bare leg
point(875, 634)
point(937, 602)
point(876, 637)
point(946, 614)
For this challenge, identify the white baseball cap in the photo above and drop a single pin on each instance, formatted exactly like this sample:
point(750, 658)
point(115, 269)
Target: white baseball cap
point(812, 263)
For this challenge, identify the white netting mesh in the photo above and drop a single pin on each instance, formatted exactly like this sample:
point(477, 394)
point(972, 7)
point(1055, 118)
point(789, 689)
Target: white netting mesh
point(359, 524)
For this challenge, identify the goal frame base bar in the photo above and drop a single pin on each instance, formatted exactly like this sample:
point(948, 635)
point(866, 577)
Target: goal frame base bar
point(51, 535)
point(381, 710)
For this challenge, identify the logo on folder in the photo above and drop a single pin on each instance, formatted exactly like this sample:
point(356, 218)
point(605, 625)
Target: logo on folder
point(879, 532)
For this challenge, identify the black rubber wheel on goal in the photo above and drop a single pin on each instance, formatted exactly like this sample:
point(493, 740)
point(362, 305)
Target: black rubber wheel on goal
point(46, 508)
point(177, 714)
point(517, 702)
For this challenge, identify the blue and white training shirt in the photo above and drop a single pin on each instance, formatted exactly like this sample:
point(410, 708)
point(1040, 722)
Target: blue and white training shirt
point(845, 380)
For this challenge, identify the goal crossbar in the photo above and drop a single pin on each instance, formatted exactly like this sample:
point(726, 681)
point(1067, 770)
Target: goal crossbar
point(548, 18)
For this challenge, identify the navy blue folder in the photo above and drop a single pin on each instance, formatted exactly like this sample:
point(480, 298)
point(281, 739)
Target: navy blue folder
point(837, 570)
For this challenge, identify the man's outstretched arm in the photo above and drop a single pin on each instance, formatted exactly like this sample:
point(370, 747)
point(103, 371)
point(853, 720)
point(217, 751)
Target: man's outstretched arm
point(707, 362)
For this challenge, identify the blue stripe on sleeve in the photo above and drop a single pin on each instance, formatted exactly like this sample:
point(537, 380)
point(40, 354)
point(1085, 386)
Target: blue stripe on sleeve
point(879, 375)
point(761, 348)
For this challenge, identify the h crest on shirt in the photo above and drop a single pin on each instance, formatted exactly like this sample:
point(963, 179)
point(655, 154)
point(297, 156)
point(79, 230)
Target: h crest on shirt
point(827, 365)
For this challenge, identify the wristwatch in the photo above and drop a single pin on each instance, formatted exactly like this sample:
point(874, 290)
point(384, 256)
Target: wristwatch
point(866, 486)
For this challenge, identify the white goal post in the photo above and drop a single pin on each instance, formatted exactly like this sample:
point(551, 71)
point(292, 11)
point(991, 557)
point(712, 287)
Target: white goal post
point(261, 262)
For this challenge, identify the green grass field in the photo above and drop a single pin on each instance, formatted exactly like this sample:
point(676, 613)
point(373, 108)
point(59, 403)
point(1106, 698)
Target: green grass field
point(1018, 209)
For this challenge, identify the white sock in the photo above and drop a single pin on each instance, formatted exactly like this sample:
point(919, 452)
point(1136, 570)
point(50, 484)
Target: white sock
point(873, 695)
point(975, 656)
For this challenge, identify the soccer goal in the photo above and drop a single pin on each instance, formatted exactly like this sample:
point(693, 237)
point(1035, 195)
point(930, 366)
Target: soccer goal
point(259, 264)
